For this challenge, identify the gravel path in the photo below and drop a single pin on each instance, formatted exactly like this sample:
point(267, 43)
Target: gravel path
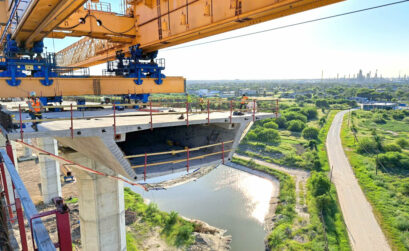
point(363, 229)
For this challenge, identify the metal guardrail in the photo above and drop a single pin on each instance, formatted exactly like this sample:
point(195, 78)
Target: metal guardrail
point(22, 198)
point(204, 109)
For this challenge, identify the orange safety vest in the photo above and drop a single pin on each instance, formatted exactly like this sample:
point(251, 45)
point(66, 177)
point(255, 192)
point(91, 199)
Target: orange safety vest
point(36, 105)
point(244, 99)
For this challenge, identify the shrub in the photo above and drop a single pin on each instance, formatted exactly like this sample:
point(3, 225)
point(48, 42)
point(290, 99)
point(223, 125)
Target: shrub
point(310, 133)
point(292, 160)
point(184, 234)
point(367, 145)
point(320, 184)
point(405, 188)
point(295, 116)
point(323, 201)
point(397, 115)
point(393, 160)
point(271, 125)
point(392, 148)
point(266, 135)
point(281, 122)
point(402, 222)
point(322, 103)
point(378, 118)
point(322, 121)
point(310, 112)
point(406, 120)
point(403, 143)
point(296, 125)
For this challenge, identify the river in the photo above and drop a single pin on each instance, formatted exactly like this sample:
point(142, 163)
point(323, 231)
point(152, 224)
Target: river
point(226, 198)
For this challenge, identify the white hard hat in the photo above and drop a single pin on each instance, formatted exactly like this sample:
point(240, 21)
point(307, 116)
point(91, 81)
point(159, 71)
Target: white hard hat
point(33, 93)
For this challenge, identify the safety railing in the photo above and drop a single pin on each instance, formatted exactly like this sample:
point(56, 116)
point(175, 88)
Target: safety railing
point(186, 109)
point(187, 159)
point(25, 207)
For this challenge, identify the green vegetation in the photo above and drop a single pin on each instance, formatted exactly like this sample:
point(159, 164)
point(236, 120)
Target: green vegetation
point(175, 230)
point(310, 133)
point(304, 150)
point(72, 200)
point(131, 242)
point(379, 156)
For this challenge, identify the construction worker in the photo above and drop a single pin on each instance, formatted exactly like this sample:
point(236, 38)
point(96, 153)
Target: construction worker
point(202, 103)
point(35, 108)
point(243, 101)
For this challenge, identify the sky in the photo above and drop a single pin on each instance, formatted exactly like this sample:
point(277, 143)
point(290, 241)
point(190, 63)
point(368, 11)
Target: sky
point(372, 40)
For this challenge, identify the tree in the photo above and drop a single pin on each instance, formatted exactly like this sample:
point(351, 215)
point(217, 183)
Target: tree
point(271, 125)
point(295, 116)
point(281, 122)
point(296, 125)
point(310, 133)
point(403, 143)
point(322, 103)
point(367, 145)
point(320, 184)
point(310, 112)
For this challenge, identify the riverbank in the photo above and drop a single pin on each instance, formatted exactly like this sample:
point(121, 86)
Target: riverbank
point(148, 228)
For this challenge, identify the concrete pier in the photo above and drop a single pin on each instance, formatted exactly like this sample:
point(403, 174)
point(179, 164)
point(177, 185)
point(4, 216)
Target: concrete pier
point(49, 170)
point(101, 207)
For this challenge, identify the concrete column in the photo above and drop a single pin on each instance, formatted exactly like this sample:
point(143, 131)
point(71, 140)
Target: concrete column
point(28, 153)
point(49, 170)
point(101, 207)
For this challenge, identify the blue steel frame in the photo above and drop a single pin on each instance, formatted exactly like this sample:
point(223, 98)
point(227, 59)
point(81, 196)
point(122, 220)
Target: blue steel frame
point(139, 65)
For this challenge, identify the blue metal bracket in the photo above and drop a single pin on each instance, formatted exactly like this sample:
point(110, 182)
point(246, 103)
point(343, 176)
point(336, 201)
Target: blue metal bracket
point(19, 63)
point(139, 65)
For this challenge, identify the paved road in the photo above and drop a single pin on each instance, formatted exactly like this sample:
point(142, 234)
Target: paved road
point(363, 229)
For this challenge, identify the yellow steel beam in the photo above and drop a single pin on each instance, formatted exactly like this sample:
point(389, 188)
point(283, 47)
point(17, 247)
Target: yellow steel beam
point(41, 17)
point(112, 26)
point(90, 86)
point(164, 23)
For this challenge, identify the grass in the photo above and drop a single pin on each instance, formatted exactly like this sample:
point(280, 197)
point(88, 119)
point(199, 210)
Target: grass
point(131, 242)
point(174, 229)
point(385, 190)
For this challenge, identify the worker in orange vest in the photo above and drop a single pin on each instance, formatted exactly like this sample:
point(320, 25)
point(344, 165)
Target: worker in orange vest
point(243, 101)
point(35, 109)
point(202, 103)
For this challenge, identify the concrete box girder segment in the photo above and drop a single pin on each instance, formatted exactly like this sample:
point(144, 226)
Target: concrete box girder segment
point(90, 86)
point(95, 137)
point(102, 150)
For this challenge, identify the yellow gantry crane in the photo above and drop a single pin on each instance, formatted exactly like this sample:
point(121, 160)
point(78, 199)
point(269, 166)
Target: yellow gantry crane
point(128, 41)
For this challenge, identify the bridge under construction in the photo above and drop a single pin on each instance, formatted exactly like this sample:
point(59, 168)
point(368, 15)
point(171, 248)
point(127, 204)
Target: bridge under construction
point(106, 145)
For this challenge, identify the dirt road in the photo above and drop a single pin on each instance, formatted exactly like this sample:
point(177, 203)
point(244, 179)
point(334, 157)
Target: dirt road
point(363, 229)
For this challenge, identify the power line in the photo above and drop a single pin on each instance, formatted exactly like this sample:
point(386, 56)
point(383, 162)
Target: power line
point(290, 25)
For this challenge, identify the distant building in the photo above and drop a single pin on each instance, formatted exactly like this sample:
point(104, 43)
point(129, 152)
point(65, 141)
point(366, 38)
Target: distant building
point(207, 93)
point(228, 94)
point(381, 106)
point(248, 92)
